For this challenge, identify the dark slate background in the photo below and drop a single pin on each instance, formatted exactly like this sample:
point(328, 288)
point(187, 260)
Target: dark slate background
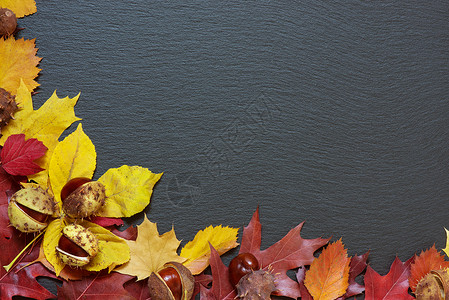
point(334, 113)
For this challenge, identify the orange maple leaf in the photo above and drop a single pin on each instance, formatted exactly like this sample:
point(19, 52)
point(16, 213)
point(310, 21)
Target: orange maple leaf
point(429, 260)
point(328, 276)
point(18, 60)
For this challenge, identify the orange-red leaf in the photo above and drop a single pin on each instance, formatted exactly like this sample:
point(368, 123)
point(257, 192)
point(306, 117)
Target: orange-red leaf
point(328, 276)
point(427, 261)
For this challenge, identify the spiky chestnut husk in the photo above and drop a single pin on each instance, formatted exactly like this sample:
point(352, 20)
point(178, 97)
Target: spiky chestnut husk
point(85, 200)
point(433, 286)
point(173, 282)
point(257, 285)
point(7, 107)
point(77, 246)
point(8, 22)
point(29, 209)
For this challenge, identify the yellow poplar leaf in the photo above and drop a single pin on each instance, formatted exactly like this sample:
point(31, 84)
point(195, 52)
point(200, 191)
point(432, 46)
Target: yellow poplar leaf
point(197, 251)
point(20, 8)
point(446, 250)
point(328, 276)
point(150, 251)
point(51, 239)
point(45, 124)
point(74, 157)
point(128, 190)
point(113, 250)
point(18, 60)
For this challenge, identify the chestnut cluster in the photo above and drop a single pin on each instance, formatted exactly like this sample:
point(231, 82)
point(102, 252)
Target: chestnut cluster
point(251, 282)
point(30, 210)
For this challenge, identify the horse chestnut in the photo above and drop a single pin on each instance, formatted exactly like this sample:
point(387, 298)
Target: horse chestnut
point(82, 197)
point(241, 265)
point(77, 245)
point(8, 22)
point(29, 209)
point(173, 282)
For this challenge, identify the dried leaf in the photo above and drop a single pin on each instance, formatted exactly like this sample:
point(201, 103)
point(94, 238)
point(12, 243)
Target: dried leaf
point(18, 155)
point(18, 61)
point(197, 251)
point(74, 157)
point(20, 8)
point(427, 261)
point(45, 124)
point(327, 278)
point(291, 252)
point(356, 267)
point(150, 251)
point(393, 286)
point(128, 190)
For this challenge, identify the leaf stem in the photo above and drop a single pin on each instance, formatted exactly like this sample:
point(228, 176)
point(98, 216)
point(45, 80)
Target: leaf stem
point(11, 264)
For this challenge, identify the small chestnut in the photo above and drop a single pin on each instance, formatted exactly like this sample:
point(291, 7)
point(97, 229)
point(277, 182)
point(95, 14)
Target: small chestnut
point(82, 197)
point(29, 209)
point(8, 22)
point(173, 282)
point(241, 265)
point(77, 245)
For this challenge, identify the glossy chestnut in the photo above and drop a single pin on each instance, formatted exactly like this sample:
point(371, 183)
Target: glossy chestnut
point(241, 265)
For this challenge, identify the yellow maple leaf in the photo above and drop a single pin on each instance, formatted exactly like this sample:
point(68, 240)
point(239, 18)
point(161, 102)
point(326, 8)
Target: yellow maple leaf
point(197, 251)
point(128, 190)
point(74, 157)
point(20, 8)
point(45, 124)
point(150, 251)
point(18, 60)
point(113, 250)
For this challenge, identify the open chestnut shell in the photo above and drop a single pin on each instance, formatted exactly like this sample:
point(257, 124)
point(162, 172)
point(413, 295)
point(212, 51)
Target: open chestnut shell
point(173, 282)
point(77, 245)
point(30, 208)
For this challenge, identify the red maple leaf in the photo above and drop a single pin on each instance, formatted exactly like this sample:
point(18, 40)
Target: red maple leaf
point(427, 261)
point(98, 286)
point(221, 287)
point(291, 252)
point(393, 286)
point(18, 155)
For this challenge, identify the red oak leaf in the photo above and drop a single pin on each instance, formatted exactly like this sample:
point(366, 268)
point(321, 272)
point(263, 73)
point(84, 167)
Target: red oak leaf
point(356, 267)
point(97, 286)
point(291, 252)
point(393, 286)
point(138, 289)
point(427, 261)
point(19, 282)
point(221, 287)
point(18, 155)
